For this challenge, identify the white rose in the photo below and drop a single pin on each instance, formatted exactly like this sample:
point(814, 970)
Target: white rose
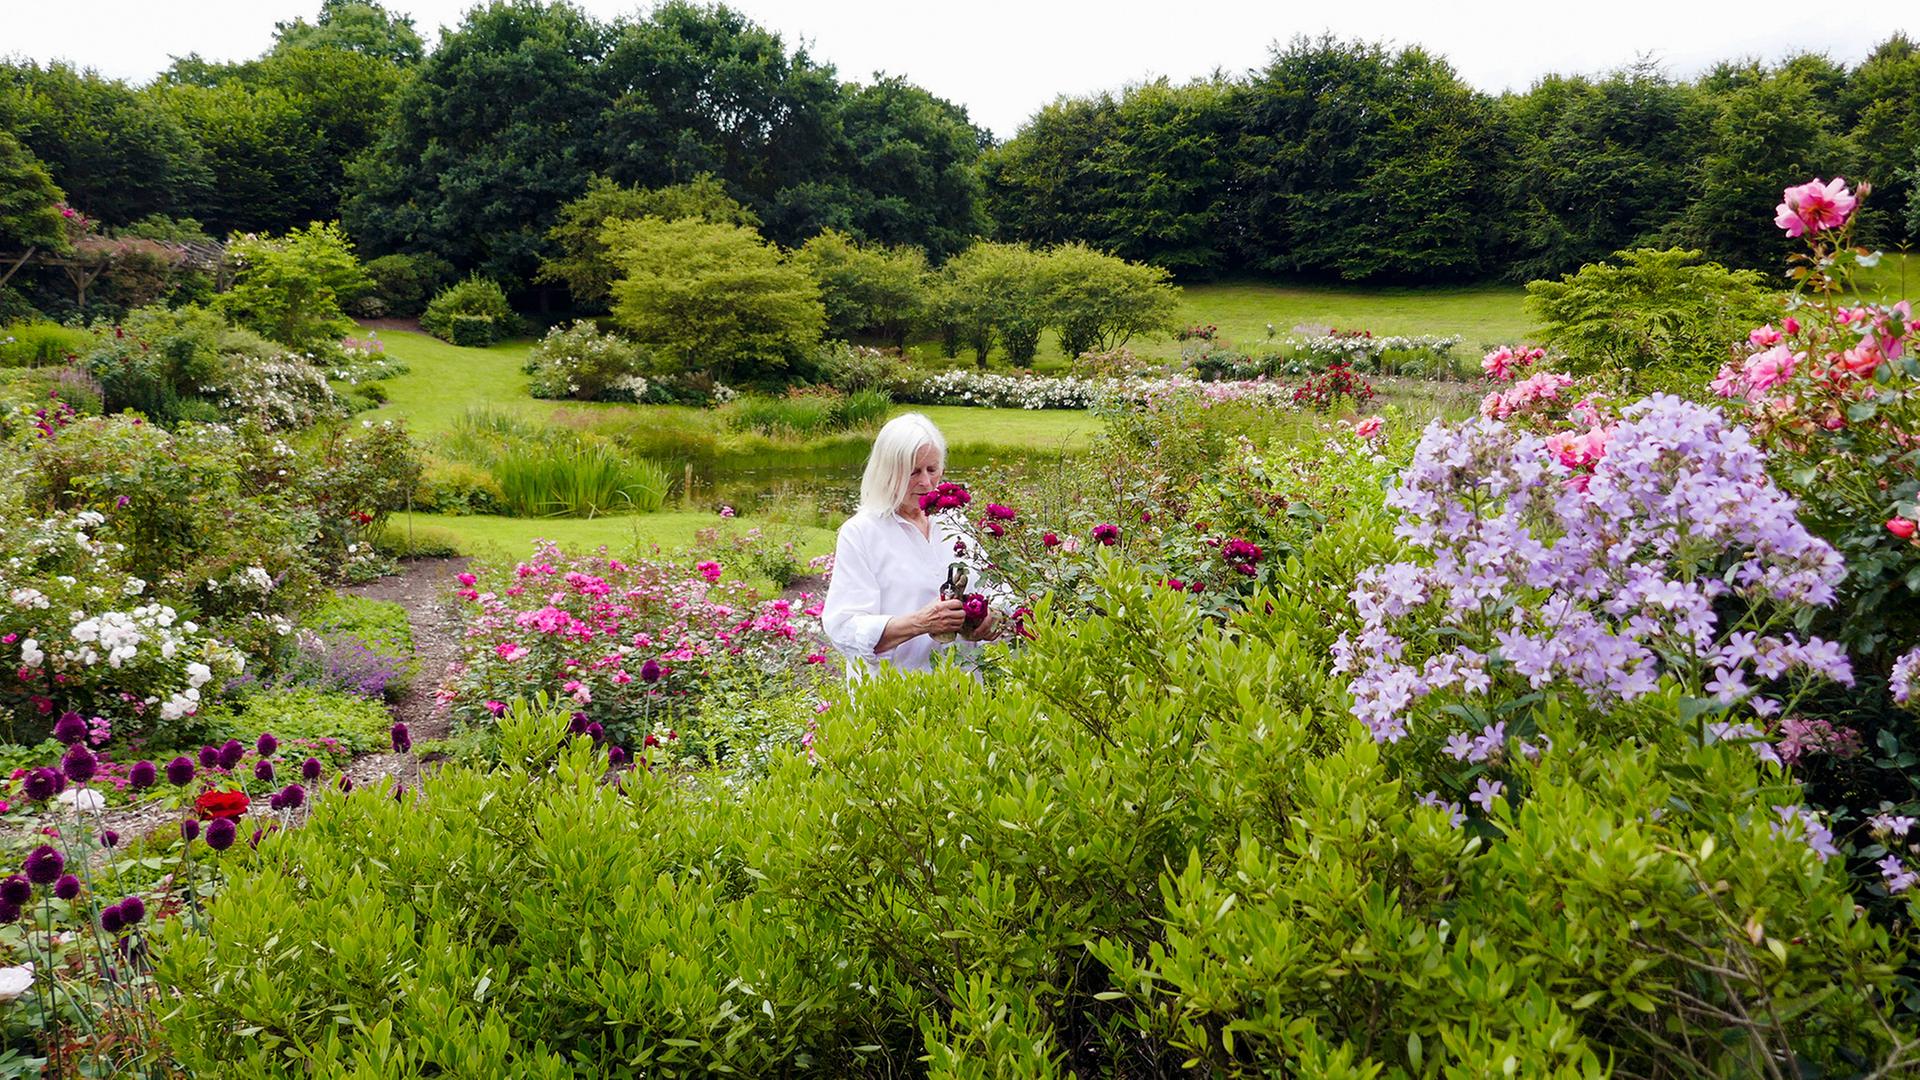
point(15, 982)
point(82, 800)
point(30, 653)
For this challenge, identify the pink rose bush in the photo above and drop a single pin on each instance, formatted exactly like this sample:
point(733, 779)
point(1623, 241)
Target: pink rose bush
point(1815, 207)
point(631, 645)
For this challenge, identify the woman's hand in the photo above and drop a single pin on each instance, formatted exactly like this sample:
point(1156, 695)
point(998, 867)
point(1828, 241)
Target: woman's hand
point(941, 617)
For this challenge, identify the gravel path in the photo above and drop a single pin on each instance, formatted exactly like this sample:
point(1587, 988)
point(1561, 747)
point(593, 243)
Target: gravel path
point(424, 588)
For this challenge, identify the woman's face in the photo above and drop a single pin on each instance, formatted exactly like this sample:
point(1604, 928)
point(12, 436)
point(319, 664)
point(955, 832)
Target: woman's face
point(926, 475)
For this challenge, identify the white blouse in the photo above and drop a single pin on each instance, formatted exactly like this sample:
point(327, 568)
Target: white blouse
point(883, 567)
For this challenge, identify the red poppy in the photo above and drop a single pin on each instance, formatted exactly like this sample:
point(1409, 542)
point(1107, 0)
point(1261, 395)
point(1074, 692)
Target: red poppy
point(221, 804)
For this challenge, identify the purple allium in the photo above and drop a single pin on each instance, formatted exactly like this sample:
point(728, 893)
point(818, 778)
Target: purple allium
point(616, 757)
point(346, 783)
point(221, 833)
point(293, 796)
point(43, 783)
point(16, 890)
point(578, 724)
point(180, 771)
point(71, 728)
point(109, 838)
point(650, 671)
point(67, 887)
point(275, 802)
point(230, 753)
point(266, 744)
point(595, 731)
point(142, 775)
point(402, 740)
point(110, 920)
point(9, 912)
point(263, 770)
point(254, 840)
point(45, 865)
point(399, 792)
point(80, 765)
point(209, 757)
point(310, 770)
point(190, 830)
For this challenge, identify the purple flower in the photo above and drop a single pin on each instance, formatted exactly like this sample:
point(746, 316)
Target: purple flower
point(346, 784)
point(230, 753)
point(142, 775)
point(616, 756)
point(650, 671)
point(221, 833)
point(71, 728)
point(402, 740)
point(310, 770)
point(263, 771)
point(109, 838)
point(578, 724)
point(293, 796)
point(190, 830)
point(133, 909)
point(67, 887)
point(80, 765)
point(1485, 792)
point(595, 731)
point(276, 801)
point(16, 890)
point(9, 913)
point(43, 783)
point(45, 865)
point(266, 744)
point(110, 920)
point(209, 757)
point(180, 771)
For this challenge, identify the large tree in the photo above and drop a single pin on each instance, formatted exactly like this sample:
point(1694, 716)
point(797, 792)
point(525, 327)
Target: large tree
point(29, 200)
point(266, 162)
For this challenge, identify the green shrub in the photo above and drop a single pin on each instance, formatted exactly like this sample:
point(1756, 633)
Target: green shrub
point(1100, 301)
point(852, 368)
point(38, 344)
point(455, 487)
point(470, 312)
point(870, 290)
point(1652, 309)
point(358, 724)
point(292, 288)
point(404, 282)
point(381, 623)
point(808, 413)
point(579, 362)
point(405, 540)
point(577, 481)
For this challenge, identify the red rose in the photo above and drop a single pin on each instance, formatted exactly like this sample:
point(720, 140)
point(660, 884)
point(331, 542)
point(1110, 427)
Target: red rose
point(221, 804)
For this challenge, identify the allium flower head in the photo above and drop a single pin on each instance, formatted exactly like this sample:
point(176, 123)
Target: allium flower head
point(71, 728)
point(110, 920)
point(221, 833)
point(402, 740)
point(266, 744)
point(263, 770)
point(650, 671)
point(180, 771)
point(43, 783)
point(190, 830)
point(109, 838)
point(231, 752)
point(293, 796)
point(132, 910)
point(79, 764)
point(142, 776)
point(45, 865)
point(16, 890)
point(209, 757)
point(310, 770)
point(67, 887)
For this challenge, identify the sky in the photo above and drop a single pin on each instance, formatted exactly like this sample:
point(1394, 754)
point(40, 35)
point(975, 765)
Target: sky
point(1004, 59)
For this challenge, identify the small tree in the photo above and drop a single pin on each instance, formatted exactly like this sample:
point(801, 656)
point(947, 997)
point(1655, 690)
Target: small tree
point(713, 297)
point(29, 200)
point(291, 288)
point(867, 289)
point(1099, 301)
point(586, 267)
point(1653, 309)
point(998, 290)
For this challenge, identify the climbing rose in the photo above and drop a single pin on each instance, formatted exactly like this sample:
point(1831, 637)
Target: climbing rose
point(1901, 527)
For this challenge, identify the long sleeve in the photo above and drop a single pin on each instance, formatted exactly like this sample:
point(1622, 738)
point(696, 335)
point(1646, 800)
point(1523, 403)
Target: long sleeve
point(851, 615)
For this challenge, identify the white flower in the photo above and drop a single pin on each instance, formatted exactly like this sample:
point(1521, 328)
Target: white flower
point(198, 675)
point(133, 587)
point(30, 653)
point(15, 981)
point(82, 800)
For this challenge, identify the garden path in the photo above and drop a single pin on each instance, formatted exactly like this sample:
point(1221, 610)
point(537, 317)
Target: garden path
point(422, 587)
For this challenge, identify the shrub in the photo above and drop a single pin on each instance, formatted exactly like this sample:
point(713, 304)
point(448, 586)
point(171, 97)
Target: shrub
point(473, 312)
point(867, 289)
point(1650, 309)
point(1100, 302)
point(456, 487)
point(302, 714)
point(996, 290)
point(404, 282)
point(38, 344)
point(292, 288)
point(581, 363)
point(405, 540)
point(713, 297)
point(852, 368)
point(585, 263)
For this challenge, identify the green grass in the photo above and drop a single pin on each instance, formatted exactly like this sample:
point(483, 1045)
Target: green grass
point(1479, 314)
point(671, 530)
point(1896, 278)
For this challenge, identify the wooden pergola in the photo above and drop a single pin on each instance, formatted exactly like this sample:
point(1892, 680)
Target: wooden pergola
point(93, 256)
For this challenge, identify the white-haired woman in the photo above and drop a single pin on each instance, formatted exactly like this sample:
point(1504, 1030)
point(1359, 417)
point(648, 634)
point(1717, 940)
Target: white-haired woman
point(884, 602)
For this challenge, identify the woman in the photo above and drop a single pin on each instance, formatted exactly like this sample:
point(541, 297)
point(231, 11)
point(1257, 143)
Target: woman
point(884, 601)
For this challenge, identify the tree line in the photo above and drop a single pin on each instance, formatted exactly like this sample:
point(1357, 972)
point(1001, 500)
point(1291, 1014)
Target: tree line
point(1350, 161)
point(1343, 160)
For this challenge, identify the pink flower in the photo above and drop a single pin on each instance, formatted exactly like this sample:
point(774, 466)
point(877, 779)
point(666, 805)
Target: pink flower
point(496, 707)
point(1766, 337)
point(509, 651)
point(1790, 324)
point(709, 570)
point(1369, 427)
point(1768, 369)
point(1499, 364)
point(466, 579)
point(726, 511)
point(1903, 528)
point(1814, 206)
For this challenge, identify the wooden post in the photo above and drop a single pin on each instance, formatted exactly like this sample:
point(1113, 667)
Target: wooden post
point(17, 264)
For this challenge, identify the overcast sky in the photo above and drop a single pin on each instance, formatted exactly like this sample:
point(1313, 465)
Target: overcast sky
point(1003, 59)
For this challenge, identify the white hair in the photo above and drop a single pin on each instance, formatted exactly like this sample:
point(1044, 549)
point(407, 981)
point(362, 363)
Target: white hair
point(890, 465)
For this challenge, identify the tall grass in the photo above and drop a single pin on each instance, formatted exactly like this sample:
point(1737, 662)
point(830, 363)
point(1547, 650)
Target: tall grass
point(578, 481)
point(808, 414)
point(37, 344)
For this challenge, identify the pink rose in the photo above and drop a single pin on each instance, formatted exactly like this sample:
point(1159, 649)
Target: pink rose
point(1814, 206)
point(1369, 427)
point(1901, 527)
